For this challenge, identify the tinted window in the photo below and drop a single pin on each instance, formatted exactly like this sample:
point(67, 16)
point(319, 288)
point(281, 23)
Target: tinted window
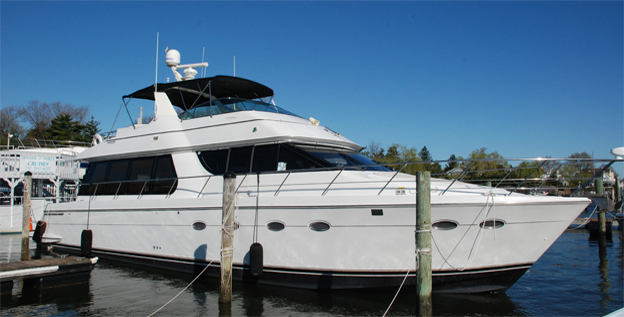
point(240, 160)
point(214, 162)
point(343, 159)
point(150, 175)
point(265, 158)
point(164, 170)
point(96, 173)
point(118, 171)
point(140, 172)
point(296, 159)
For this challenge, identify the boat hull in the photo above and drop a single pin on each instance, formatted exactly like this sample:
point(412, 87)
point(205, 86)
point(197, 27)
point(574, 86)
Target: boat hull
point(361, 249)
point(470, 281)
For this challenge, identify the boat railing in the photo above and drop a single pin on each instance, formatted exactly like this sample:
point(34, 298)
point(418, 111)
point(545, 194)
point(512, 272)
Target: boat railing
point(539, 176)
point(30, 143)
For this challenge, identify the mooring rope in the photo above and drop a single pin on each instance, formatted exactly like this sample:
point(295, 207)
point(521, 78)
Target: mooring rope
point(397, 293)
point(182, 291)
point(226, 251)
point(480, 233)
point(585, 219)
point(487, 204)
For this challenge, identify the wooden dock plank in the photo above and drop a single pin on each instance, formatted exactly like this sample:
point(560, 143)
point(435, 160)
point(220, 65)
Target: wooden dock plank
point(46, 273)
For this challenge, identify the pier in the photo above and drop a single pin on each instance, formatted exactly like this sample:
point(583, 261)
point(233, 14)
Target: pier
point(46, 273)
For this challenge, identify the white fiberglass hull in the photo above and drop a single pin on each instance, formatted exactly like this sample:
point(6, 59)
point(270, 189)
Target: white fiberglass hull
point(370, 241)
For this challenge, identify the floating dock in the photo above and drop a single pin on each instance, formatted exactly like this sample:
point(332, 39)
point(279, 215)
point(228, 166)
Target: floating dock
point(46, 273)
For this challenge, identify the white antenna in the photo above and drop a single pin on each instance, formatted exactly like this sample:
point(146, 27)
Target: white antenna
point(173, 61)
point(203, 69)
point(155, 79)
point(234, 65)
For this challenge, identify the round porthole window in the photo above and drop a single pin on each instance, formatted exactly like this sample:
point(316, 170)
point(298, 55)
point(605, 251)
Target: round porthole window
point(276, 226)
point(199, 225)
point(320, 226)
point(492, 224)
point(444, 225)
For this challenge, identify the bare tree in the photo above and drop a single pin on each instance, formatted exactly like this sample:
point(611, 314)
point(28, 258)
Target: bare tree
point(374, 149)
point(10, 118)
point(39, 115)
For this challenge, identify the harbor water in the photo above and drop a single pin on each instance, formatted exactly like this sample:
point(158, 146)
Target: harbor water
point(575, 277)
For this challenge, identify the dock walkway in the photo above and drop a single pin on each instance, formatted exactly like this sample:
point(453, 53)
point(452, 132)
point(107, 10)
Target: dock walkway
point(46, 273)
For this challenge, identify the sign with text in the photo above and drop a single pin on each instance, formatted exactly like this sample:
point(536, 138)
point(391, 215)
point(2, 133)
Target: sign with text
point(38, 164)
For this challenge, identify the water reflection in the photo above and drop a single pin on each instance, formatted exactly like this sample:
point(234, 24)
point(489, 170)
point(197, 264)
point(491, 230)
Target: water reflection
point(551, 287)
point(603, 266)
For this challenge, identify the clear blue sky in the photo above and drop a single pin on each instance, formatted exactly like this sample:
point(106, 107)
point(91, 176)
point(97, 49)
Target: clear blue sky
point(525, 79)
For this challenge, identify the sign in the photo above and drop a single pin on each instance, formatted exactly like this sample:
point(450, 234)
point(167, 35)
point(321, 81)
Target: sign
point(38, 164)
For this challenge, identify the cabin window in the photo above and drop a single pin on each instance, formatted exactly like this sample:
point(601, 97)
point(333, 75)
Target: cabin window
point(214, 162)
point(118, 171)
point(264, 158)
point(147, 175)
point(96, 173)
point(140, 172)
point(492, 224)
point(240, 160)
point(164, 175)
point(445, 225)
point(296, 159)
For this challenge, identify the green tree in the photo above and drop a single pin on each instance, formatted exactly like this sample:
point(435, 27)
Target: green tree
point(492, 166)
point(424, 154)
point(10, 116)
point(90, 129)
point(450, 165)
point(40, 115)
point(578, 170)
point(63, 128)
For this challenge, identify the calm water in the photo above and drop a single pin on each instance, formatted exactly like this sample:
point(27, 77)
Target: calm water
point(574, 278)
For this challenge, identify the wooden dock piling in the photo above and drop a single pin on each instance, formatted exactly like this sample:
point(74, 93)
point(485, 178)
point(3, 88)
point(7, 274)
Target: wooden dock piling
point(26, 215)
point(423, 243)
point(618, 191)
point(602, 217)
point(227, 237)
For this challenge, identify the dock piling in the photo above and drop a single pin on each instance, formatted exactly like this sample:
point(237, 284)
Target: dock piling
point(423, 243)
point(602, 217)
point(227, 235)
point(26, 215)
point(618, 191)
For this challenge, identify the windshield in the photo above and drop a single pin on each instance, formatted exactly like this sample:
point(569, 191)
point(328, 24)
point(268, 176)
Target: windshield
point(350, 159)
point(227, 105)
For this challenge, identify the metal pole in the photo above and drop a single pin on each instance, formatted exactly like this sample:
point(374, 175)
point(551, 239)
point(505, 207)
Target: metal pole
point(423, 243)
point(227, 235)
point(26, 206)
point(602, 216)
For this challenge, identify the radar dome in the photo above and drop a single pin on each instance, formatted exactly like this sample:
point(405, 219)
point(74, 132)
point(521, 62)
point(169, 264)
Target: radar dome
point(618, 152)
point(172, 58)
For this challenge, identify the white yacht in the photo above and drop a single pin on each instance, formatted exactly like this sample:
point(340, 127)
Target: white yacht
point(326, 216)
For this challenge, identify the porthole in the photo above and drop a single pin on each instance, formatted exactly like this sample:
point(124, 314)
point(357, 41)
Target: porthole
point(276, 226)
point(320, 226)
point(199, 225)
point(492, 224)
point(445, 225)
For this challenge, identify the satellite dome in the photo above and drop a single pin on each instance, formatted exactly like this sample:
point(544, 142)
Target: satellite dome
point(172, 58)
